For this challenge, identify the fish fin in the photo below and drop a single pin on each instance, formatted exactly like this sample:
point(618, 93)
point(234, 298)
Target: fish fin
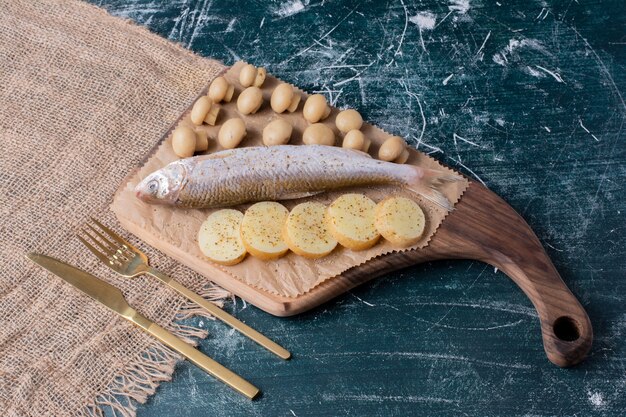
point(297, 195)
point(426, 181)
point(359, 152)
point(218, 155)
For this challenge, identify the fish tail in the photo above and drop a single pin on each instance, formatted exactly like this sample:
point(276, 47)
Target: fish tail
point(426, 182)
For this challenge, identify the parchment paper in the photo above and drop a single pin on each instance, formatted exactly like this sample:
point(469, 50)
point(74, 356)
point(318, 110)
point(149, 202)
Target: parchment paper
point(291, 275)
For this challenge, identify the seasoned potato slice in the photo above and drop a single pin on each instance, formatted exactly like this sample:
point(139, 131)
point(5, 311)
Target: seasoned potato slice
point(351, 221)
point(219, 238)
point(400, 220)
point(261, 230)
point(306, 231)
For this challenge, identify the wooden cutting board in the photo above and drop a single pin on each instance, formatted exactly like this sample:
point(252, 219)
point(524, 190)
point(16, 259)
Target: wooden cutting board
point(482, 227)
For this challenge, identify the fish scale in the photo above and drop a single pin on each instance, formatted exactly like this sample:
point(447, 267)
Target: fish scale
point(244, 175)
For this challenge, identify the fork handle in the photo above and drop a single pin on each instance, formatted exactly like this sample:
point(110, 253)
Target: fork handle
point(221, 314)
point(196, 357)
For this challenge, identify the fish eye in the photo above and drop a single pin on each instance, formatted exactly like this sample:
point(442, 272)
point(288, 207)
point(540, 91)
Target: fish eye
point(153, 186)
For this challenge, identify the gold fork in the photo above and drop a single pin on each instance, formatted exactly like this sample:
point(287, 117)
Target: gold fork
point(127, 260)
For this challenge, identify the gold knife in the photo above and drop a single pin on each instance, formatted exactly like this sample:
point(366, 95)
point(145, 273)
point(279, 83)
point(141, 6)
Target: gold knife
point(112, 297)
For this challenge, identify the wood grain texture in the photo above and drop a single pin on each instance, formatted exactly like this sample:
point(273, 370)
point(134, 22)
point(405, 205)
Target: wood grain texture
point(463, 80)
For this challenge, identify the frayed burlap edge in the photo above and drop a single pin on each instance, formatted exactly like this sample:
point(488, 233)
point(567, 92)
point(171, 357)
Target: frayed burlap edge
point(145, 372)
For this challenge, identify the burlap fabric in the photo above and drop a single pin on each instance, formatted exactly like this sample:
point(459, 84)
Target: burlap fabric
point(83, 97)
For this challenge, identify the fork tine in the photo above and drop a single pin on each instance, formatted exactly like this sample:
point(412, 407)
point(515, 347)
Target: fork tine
point(112, 245)
point(108, 250)
point(95, 251)
point(114, 235)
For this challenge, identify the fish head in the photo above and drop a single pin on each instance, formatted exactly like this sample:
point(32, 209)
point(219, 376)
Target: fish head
point(163, 186)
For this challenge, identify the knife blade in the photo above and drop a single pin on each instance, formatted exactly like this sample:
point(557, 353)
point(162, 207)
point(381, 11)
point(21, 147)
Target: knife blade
point(111, 297)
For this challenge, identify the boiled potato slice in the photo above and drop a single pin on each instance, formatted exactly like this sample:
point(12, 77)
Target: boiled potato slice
point(400, 220)
point(351, 221)
point(306, 231)
point(261, 230)
point(219, 238)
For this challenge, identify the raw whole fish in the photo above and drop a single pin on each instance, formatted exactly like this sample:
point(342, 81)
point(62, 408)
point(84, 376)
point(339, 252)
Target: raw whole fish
point(244, 175)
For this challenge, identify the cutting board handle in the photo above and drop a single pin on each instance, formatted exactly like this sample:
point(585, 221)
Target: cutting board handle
point(493, 232)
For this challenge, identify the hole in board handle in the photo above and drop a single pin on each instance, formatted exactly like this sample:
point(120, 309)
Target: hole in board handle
point(566, 329)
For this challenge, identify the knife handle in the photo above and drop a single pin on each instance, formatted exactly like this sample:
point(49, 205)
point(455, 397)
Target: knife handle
point(196, 357)
point(220, 314)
